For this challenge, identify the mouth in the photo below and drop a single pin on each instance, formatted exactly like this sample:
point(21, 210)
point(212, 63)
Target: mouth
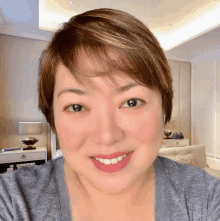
point(112, 156)
point(112, 165)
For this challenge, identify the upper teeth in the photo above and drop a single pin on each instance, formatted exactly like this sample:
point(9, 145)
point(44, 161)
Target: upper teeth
point(111, 161)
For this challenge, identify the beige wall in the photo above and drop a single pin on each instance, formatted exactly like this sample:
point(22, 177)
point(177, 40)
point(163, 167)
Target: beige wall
point(206, 103)
point(18, 88)
point(181, 113)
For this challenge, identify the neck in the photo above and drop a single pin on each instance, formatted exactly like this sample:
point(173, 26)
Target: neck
point(124, 200)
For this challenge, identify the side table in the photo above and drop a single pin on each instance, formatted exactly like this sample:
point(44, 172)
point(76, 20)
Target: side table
point(12, 160)
point(174, 143)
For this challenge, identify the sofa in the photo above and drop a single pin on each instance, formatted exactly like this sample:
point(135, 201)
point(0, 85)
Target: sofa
point(194, 155)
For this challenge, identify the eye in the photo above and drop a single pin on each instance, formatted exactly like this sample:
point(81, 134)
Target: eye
point(78, 108)
point(75, 107)
point(134, 102)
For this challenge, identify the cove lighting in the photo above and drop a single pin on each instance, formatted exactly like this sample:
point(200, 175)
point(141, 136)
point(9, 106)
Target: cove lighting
point(210, 19)
point(206, 21)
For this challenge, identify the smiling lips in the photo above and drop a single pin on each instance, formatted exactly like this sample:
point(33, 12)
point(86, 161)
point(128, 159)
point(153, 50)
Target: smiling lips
point(112, 165)
point(111, 156)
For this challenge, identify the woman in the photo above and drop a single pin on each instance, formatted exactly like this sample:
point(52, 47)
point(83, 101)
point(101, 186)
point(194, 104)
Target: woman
point(105, 88)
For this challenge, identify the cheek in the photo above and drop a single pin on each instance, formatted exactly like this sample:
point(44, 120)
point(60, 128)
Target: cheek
point(71, 135)
point(148, 128)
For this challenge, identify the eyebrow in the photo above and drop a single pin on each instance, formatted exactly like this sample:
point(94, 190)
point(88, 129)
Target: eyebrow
point(80, 92)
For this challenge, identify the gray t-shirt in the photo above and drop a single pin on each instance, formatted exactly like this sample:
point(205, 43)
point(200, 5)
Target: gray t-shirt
point(39, 193)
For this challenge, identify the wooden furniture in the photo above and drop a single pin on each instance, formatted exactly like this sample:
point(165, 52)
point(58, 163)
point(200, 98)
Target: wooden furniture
point(13, 160)
point(175, 143)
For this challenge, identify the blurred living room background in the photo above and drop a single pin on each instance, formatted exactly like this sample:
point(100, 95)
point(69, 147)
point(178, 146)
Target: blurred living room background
point(188, 31)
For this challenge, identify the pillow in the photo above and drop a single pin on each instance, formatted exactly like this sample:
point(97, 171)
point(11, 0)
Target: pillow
point(186, 158)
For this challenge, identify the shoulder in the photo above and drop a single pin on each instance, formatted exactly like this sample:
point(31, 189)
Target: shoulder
point(28, 175)
point(168, 167)
point(29, 178)
point(181, 173)
point(28, 189)
point(191, 185)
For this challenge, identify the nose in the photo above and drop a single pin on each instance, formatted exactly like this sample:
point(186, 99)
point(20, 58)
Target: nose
point(107, 130)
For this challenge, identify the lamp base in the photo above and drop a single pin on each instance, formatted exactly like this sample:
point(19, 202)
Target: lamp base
point(29, 148)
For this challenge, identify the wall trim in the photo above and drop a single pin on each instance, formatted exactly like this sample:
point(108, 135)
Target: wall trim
point(191, 110)
point(214, 114)
point(213, 162)
point(23, 31)
point(211, 155)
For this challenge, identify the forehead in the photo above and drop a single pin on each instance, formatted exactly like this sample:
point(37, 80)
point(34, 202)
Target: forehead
point(92, 70)
point(90, 64)
point(66, 82)
point(65, 79)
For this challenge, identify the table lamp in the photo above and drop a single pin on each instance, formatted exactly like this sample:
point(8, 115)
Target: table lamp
point(168, 129)
point(30, 128)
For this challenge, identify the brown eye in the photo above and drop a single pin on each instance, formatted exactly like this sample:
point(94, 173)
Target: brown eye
point(133, 102)
point(75, 107)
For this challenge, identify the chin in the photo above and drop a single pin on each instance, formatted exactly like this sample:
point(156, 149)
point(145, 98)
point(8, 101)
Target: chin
point(120, 182)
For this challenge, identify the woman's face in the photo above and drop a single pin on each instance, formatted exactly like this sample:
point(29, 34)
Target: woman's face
point(105, 121)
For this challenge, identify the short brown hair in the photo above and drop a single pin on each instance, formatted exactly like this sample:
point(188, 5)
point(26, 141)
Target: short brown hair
point(96, 31)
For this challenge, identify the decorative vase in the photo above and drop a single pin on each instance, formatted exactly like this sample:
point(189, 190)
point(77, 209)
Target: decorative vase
point(29, 141)
point(167, 133)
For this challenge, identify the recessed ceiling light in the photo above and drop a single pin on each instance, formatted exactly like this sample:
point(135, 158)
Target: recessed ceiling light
point(71, 2)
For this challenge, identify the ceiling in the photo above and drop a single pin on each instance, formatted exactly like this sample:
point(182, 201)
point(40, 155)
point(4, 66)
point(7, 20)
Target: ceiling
point(177, 24)
point(172, 21)
point(160, 15)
